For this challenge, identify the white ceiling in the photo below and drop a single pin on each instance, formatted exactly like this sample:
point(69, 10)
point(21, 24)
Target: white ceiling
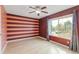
point(24, 9)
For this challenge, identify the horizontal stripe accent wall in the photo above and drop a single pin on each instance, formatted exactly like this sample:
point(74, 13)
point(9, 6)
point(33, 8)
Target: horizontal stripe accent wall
point(21, 27)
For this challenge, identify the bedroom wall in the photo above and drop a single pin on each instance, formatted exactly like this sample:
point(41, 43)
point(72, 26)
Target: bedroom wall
point(43, 25)
point(2, 29)
point(43, 28)
point(19, 27)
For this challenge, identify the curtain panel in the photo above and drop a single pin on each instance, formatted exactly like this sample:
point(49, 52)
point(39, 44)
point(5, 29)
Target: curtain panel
point(74, 44)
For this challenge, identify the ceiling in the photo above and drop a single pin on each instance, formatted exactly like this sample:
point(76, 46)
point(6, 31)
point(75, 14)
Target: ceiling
point(23, 10)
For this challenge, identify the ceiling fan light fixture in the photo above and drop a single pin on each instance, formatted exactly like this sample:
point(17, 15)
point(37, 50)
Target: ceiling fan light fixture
point(37, 12)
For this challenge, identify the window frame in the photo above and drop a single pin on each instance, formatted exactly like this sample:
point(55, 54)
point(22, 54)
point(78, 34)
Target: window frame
point(50, 22)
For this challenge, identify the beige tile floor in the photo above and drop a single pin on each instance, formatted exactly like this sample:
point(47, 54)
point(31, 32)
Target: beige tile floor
point(36, 46)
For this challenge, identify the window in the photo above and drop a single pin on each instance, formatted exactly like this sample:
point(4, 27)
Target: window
point(62, 27)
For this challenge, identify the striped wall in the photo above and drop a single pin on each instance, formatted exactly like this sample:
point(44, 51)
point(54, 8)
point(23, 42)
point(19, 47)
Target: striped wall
point(21, 27)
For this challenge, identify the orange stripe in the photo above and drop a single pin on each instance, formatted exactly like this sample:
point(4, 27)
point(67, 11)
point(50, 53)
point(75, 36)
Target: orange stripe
point(22, 25)
point(27, 28)
point(20, 18)
point(10, 37)
point(22, 34)
point(20, 30)
point(9, 33)
point(22, 37)
point(17, 21)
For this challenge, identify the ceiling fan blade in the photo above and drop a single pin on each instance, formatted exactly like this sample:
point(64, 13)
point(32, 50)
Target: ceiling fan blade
point(38, 14)
point(32, 12)
point(37, 6)
point(43, 7)
point(44, 12)
point(32, 7)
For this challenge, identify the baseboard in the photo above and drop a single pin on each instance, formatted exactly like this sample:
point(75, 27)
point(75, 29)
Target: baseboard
point(59, 44)
point(31, 38)
point(42, 38)
point(53, 42)
point(27, 39)
point(3, 49)
point(21, 39)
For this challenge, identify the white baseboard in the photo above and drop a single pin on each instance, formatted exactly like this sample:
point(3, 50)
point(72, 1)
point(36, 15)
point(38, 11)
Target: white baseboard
point(3, 49)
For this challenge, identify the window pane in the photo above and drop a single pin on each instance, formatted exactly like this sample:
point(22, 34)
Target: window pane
point(62, 27)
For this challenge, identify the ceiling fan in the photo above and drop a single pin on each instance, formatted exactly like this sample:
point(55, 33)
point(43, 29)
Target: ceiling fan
point(38, 10)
